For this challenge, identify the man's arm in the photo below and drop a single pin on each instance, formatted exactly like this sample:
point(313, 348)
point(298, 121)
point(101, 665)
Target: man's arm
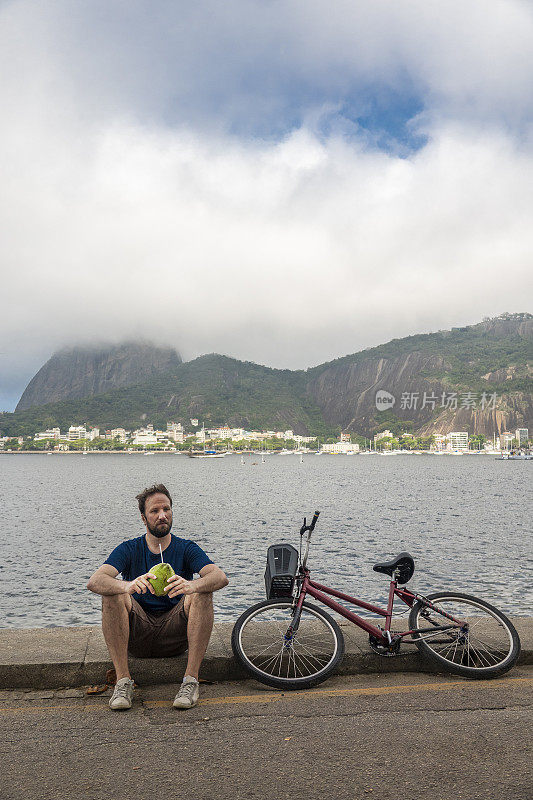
point(211, 579)
point(104, 582)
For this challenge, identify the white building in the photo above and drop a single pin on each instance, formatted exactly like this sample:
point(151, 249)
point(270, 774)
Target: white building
point(307, 439)
point(77, 432)
point(94, 433)
point(120, 434)
point(383, 435)
point(340, 447)
point(144, 436)
point(51, 433)
point(506, 439)
point(220, 433)
point(458, 440)
point(439, 441)
point(175, 432)
point(522, 436)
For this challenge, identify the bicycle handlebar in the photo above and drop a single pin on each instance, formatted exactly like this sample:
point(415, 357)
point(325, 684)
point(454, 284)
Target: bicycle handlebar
point(305, 527)
point(309, 530)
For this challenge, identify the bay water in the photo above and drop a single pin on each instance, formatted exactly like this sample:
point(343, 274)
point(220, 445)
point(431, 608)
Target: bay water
point(466, 520)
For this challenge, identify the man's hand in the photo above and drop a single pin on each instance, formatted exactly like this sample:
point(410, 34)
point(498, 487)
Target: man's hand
point(141, 584)
point(178, 585)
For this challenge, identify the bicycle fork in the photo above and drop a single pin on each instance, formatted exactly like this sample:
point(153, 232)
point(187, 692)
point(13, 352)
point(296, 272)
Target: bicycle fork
point(292, 630)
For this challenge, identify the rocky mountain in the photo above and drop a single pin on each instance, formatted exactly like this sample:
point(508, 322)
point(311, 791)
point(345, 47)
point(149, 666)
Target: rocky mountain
point(478, 378)
point(88, 371)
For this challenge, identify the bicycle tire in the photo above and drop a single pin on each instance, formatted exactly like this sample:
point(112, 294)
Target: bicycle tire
point(259, 644)
point(490, 648)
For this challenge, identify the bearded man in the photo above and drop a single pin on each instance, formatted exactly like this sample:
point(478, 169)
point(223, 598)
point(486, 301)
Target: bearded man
point(136, 621)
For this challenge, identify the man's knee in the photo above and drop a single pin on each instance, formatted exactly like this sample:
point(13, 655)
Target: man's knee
point(116, 602)
point(200, 600)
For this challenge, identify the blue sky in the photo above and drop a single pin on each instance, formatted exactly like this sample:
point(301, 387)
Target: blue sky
point(367, 161)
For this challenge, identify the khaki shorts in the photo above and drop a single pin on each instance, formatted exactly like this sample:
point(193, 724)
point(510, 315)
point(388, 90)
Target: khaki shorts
point(157, 635)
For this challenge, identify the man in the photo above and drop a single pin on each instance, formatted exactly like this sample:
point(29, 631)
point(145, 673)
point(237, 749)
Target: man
point(136, 620)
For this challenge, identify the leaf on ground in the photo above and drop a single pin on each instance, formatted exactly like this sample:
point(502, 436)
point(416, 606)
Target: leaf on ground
point(97, 689)
point(111, 677)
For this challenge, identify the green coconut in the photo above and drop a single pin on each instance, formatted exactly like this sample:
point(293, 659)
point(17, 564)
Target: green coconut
point(162, 572)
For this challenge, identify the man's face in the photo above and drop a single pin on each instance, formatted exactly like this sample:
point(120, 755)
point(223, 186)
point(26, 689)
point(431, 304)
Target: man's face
point(158, 515)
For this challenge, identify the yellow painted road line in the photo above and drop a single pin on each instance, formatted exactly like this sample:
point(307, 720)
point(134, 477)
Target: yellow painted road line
point(276, 696)
point(368, 691)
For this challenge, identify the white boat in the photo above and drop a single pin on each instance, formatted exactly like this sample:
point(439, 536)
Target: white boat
point(515, 457)
point(205, 454)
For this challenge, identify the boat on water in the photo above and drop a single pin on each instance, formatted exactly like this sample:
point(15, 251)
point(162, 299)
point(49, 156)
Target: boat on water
point(515, 457)
point(205, 454)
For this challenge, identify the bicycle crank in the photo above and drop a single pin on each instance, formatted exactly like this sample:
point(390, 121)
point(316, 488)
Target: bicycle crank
point(389, 650)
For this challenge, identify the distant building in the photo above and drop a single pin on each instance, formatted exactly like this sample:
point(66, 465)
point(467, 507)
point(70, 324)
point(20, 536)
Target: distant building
point(340, 447)
point(439, 441)
point(77, 432)
point(220, 433)
point(175, 431)
point(522, 436)
point(506, 440)
point(307, 439)
point(119, 433)
point(383, 435)
point(51, 433)
point(458, 440)
point(345, 437)
point(94, 433)
point(144, 436)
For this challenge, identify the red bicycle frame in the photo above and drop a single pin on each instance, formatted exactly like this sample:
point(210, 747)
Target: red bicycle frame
point(321, 592)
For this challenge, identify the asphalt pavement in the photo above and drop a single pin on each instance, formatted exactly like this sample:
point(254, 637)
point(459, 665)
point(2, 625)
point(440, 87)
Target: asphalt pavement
point(408, 736)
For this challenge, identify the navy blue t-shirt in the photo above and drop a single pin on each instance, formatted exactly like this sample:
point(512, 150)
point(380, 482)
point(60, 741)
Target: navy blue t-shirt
point(133, 558)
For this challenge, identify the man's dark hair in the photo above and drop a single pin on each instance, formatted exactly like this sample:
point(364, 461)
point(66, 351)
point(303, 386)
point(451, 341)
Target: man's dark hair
point(157, 488)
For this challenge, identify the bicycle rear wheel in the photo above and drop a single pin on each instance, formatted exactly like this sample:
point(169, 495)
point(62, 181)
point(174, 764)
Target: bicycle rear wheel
point(261, 643)
point(486, 646)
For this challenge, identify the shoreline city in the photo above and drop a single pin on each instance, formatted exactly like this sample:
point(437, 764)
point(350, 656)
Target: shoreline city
point(225, 441)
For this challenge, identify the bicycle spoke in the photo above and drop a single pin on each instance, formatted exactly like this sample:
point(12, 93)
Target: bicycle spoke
point(306, 654)
point(482, 642)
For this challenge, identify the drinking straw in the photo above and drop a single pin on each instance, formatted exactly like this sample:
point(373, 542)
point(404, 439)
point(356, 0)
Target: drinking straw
point(161, 552)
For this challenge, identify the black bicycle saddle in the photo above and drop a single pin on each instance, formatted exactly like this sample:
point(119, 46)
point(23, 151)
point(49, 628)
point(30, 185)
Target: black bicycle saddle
point(404, 562)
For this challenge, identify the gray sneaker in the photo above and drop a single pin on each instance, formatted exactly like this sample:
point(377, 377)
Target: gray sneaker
point(123, 695)
point(189, 693)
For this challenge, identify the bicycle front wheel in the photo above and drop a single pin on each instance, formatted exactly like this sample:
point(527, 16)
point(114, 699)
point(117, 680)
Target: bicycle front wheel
point(485, 646)
point(262, 643)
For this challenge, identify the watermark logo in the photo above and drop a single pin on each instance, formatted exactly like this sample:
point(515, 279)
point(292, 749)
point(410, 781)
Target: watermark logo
point(413, 401)
point(384, 400)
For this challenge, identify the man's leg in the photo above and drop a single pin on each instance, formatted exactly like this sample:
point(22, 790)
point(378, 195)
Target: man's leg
point(199, 610)
point(116, 629)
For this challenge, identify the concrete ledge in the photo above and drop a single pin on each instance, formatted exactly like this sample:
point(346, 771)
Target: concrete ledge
point(51, 658)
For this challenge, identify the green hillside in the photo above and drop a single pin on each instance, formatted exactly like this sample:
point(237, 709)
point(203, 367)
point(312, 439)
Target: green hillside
point(470, 352)
point(216, 389)
point(494, 356)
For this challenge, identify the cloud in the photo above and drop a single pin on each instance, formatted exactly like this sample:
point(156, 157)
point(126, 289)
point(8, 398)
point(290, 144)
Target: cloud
point(275, 181)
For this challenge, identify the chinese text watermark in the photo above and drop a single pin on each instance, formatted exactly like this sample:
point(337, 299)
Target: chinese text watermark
point(413, 401)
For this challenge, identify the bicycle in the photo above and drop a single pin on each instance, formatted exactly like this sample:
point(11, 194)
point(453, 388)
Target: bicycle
point(289, 643)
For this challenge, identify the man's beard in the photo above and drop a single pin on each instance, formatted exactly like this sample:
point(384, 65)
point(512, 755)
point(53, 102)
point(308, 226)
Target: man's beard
point(159, 531)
